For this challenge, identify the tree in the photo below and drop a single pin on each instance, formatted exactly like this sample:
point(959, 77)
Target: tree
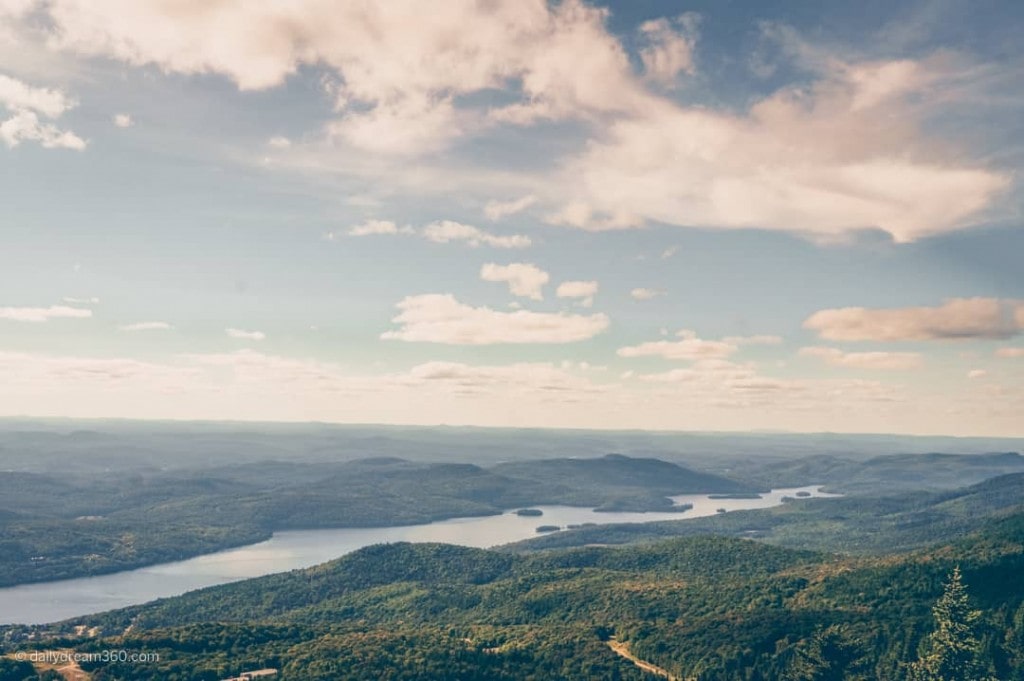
point(953, 650)
point(831, 654)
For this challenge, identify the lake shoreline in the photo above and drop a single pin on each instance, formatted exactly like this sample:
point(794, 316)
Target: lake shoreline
point(285, 550)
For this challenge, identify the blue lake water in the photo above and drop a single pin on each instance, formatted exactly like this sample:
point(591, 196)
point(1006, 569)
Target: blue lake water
point(53, 601)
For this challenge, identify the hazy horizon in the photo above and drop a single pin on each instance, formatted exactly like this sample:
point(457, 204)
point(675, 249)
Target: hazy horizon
point(78, 423)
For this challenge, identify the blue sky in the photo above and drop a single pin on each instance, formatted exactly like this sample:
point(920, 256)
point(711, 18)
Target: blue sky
point(694, 216)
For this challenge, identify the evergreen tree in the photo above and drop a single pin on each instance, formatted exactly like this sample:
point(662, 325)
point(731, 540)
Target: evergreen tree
point(953, 652)
point(831, 654)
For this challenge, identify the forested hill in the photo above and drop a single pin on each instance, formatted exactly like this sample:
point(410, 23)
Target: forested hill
point(700, 607)
point(59, 526)
point(622, 471)
point(881, 474)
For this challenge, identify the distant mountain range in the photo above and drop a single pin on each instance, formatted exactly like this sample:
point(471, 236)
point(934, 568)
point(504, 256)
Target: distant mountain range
point(928, 471)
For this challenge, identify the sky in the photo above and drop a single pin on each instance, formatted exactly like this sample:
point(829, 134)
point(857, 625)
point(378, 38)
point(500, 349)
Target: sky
point(716, 215)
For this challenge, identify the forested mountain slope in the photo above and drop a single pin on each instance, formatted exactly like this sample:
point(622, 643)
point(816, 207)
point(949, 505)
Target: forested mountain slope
point(854, 525)
point(700, 607)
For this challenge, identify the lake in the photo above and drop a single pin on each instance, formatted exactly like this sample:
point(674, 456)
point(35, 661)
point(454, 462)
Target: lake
point(53, 601)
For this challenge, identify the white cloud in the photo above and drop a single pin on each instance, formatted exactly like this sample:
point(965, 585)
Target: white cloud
point(587, 215)
point(374, 227)
point(582, 290)
point(413, 125)
point(645, 293)
point(25, 126)
point(523, 279)
point(669, 47)
point(242, 334)
point(19, 96)
point(43, 314)
point(689, 347)
point(146, 326)
point(81, 301)
point(396, 68)
point(440, 232)
point(25, 104)
point(866, 360)
point(123, 120)
point(956, 318)
point(846, 153)
point(854, 148)
point(279, 142)
point(1010, 353)
point(976, 373)
point(669, 252)
point(496, 210)
point(438, 318)
point(447, 231)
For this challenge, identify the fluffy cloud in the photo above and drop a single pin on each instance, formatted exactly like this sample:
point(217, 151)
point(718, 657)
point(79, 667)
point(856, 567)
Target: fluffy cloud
point(645, 293)
point(25, 104)
point(43, 314)
point(496, 210)
point(669, 47)
point(711, 353)
point(447, 231)
point(398, 67)
point(865, 360)
point(688, 347)
point(955, 318)
point(437, 318)
point(242, 334)
point(374, 227)
point(14, 94)
point(583, 290)
point(146, 326)
point(854, 148)
point(523, 279)
point(704, 370)
point(123, 120)
point(846, 153)
point(413, 125)
point(440, 232)
point(976, 373)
